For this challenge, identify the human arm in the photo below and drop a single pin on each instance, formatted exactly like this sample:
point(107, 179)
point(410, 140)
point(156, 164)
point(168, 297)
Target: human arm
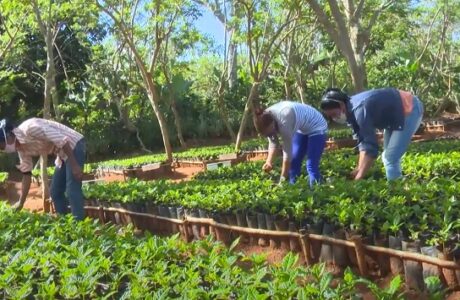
point(25, 187)
point(286, 129)
point(364, 164)
point(368, 146)
point(72, 161)
point(268, 166)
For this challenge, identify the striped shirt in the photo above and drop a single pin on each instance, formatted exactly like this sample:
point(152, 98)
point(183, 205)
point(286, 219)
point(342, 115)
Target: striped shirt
point(292, 117)
point(42, 137)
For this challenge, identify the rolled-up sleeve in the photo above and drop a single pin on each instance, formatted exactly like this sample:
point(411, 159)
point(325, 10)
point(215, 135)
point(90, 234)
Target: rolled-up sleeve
point(25, 163)
point(366, 135)
point(48, 133)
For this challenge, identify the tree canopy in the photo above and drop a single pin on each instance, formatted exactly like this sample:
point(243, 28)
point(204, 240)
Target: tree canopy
point(141, 75)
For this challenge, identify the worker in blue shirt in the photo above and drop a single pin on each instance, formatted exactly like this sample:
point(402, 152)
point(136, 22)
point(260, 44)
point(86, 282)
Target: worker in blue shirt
point(398, 113)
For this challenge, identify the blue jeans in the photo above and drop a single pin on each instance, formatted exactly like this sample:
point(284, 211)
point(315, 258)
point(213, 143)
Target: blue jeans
point(311, 146)
point(64, 183)
point(395, 142)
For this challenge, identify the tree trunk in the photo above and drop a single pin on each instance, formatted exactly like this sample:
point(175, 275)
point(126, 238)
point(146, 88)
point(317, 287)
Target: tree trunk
point(287, 85)
point(177, 121)
point(356, 67)
point(300, 91)
point(232, 63)
point(222, 109)
point(358, 75)
point(154, 100)
point(50, 90)
point(124, 118)
point(287, 89)
point(146, 75)
point(249, 104)
point(50, 76)
point(223, 114)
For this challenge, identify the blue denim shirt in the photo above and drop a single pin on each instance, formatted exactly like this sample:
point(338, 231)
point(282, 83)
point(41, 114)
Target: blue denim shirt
point(371, 110)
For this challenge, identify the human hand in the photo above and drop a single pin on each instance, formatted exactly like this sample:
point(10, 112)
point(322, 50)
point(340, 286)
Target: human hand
point(18, 205)
point(282, 180)
point(353, 174)
point(267, 167)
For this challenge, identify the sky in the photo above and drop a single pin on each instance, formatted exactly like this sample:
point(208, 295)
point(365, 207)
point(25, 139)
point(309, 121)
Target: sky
point(210, 26)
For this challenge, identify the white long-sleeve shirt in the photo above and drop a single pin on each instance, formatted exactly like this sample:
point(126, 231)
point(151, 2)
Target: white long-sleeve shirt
point(292, 117)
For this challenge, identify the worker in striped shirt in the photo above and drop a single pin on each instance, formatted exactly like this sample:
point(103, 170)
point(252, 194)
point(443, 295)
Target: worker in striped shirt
point(35, 137)
point(303, 131)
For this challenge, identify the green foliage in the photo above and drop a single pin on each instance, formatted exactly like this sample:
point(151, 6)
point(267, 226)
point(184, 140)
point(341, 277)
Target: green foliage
point(3, 177)
point(413, 46)
point(363, 206)
point(59, 258)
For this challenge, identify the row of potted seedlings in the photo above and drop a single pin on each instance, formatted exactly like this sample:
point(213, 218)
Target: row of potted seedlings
point(57, 258)
point(331, 209)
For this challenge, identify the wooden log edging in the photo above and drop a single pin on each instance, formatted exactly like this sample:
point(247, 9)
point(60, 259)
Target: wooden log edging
point(303, 237)
point(184, 163)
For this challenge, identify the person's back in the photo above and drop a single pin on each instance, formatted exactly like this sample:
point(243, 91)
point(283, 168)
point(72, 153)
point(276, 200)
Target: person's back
point(399, 113)
point(36, 137)
point(40, 136)
point(307, 119)
point(303, 131)
point(383, 106)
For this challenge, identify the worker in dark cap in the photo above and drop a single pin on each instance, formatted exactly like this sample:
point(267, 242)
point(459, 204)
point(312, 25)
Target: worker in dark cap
point(398, 113)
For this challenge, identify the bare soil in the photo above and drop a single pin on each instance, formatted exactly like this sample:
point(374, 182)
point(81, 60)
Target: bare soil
point(34, 200)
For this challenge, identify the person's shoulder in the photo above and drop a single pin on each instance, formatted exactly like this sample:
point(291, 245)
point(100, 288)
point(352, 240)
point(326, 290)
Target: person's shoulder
point(33, 120)
point(373, 92)
point(286, 107)
point(32, 124)
point(279, 106)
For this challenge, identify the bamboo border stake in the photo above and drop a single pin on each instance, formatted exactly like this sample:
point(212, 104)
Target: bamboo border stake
point(185, 230)
point(305, 244)
point(391, 252)
point(360, 255)
point(101, 214)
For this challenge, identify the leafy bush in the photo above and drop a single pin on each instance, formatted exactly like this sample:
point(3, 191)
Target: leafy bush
point(3, 177)
point(51, 258)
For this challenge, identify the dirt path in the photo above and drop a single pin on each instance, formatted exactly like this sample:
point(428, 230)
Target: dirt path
point(34, 200)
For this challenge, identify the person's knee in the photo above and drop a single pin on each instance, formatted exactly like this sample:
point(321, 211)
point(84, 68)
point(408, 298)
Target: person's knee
point(391, 158)
point(312, 167)
point(393, 169)
point(296, 162)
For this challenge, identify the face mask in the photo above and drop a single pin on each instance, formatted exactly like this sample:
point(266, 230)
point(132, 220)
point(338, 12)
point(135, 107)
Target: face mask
point(342, 119)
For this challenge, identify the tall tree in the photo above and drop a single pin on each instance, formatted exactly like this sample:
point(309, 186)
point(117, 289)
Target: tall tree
point(437, 65)
point(225, 11)
point(263, 26)
point(144, 28)
point(349, 24)
point(176, 44)
point(50, 16)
